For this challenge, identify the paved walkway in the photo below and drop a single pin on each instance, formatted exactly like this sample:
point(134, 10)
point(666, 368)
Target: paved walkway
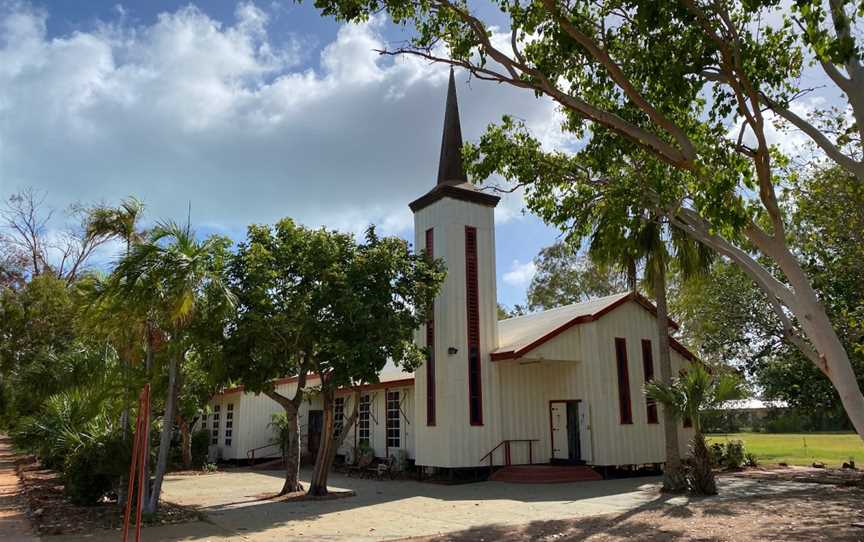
point(387, 510)
point(14, 525)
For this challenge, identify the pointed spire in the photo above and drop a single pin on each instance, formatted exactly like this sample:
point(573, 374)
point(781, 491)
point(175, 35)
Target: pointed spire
point(450, 168)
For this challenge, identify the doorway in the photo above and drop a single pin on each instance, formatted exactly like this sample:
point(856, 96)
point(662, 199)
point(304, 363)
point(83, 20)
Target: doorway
point(564, 424)
point(315, 428)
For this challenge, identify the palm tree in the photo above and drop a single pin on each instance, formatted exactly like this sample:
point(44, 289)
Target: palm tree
point(653, 243)
point(689, 395)
point(177, 278)
point(119, 223)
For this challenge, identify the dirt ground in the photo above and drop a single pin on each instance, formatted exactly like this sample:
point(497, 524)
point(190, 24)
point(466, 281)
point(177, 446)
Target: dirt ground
point(52, 513)
point(828, 510)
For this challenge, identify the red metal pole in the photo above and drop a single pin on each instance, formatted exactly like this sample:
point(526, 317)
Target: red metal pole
point(142, 450)
point(132, 470)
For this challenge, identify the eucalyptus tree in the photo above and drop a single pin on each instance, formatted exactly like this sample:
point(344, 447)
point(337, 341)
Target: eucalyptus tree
point(697, 390)
point(179, 279)
point(684, 87)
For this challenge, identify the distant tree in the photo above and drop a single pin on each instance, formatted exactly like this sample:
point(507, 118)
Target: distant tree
point(179, 280)
point(517, 310)
point(690, 395)
point(65, 254)
point(376, 296)
point(565, 276)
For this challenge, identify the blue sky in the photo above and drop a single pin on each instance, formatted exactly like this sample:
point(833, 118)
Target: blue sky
point(248, 112)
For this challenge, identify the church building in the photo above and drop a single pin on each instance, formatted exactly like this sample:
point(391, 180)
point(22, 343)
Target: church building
point(563, 385)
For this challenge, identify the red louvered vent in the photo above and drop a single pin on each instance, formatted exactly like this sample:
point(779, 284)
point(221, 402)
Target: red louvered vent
point(648, 370)
point(623, 381)
point(430, 343)
point(475, 388)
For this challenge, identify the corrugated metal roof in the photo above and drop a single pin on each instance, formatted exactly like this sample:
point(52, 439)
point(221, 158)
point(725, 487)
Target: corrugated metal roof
point(517, 333)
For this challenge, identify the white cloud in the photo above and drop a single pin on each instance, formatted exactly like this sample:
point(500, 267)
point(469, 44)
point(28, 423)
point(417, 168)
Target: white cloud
point(190, 109)
point(520, 274)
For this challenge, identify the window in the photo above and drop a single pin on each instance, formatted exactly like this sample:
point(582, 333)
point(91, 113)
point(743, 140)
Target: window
point(338, 416)
point(214, 434)
point(229, 424)
point(430, 344)
point(648, 370)
point(623, 381)
point(392, 419)
point(475, 390)
point(363, 421)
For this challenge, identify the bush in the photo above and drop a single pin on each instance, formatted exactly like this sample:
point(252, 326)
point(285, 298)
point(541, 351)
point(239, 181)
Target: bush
point(729, 455)
point(93, 469)
point(200, 444)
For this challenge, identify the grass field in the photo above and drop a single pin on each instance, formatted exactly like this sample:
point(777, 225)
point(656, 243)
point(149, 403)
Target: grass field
point(832, 449)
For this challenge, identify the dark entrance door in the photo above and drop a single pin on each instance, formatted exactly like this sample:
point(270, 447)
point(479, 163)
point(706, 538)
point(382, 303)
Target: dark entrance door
point(574, 445)
point(315, 427)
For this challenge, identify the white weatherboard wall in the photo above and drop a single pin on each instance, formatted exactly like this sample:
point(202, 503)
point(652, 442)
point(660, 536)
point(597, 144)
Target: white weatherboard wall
point(253, 413)
point(615, 443)
point(453, 442)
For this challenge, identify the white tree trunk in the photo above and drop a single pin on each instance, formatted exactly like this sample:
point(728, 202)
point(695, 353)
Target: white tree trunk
point(165, 439)
point(819, 341)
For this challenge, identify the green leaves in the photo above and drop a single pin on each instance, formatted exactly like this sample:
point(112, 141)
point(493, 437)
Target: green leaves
point(317, 300)
point(696, 390)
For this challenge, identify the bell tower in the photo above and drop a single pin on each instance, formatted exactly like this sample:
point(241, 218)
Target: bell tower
point(457, 409)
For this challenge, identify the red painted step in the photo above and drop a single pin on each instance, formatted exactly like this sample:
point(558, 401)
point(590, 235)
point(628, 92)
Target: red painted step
point(545, 474)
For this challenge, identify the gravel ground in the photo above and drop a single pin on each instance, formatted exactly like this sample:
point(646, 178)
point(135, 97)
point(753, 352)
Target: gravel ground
point(822, 511)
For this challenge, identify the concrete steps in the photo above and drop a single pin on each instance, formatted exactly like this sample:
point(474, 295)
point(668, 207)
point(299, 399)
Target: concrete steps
point(545, 474)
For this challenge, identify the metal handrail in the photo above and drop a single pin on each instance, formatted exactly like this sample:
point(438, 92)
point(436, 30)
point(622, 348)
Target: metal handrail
point(250, 454)
point(506, 444)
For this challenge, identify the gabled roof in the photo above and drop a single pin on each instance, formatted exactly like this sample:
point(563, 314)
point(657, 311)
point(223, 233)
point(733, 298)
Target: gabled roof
point(518, 336)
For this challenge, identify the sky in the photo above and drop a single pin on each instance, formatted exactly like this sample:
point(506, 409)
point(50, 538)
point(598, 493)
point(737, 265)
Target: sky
point(239, 113)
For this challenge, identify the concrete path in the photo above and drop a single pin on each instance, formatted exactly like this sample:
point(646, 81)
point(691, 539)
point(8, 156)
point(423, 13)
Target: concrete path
point(14, 524)
point(386, 510)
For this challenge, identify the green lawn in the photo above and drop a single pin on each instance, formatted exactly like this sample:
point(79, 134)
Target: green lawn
point(832, 449)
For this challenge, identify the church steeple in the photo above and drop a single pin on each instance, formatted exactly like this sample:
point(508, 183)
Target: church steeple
point(452, 181)
point(450, 168)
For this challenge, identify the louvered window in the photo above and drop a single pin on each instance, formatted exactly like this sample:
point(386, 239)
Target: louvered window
point(393, 431)
point(229, 424)
point(624, 407)
point(363, 428)
point(215, 433)
point(648, 370)
point(430, 343)
point(475, 389)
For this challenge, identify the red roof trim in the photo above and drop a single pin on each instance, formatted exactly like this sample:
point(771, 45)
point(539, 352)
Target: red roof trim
point(638, 298)
point(364, 387)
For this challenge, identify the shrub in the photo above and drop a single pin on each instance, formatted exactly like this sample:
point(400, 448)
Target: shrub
point(728, 455)
point(733, 456)
point(94, 468)
point(200, 444)
point(750, 460)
